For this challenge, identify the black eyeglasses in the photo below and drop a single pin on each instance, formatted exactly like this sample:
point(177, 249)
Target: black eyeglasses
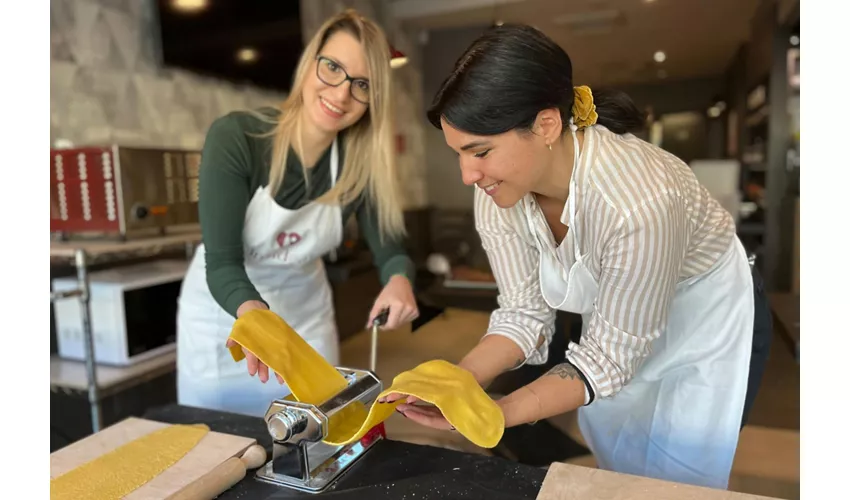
point(331, 73)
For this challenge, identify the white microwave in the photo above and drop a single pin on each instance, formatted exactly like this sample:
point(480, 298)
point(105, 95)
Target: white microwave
point(133, 313)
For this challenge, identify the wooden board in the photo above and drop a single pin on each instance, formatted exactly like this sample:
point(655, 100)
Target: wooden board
point(574, 482)
point(214, 449)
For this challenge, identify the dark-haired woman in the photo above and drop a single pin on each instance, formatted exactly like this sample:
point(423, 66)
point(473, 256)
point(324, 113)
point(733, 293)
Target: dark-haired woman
point(579, 215)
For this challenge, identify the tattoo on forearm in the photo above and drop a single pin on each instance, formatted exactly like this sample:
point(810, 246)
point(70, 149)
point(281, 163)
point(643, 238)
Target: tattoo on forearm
point(565, 371)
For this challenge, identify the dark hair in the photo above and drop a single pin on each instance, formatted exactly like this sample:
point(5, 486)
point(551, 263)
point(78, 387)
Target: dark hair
point(511, 73)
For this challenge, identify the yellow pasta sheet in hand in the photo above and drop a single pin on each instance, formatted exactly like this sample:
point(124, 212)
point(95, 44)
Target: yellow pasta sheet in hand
point(121, 471)
point(313, 380)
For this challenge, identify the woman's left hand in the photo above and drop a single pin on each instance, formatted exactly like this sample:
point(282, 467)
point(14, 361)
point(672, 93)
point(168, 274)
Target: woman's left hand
point(397, 296)
point(429, 416)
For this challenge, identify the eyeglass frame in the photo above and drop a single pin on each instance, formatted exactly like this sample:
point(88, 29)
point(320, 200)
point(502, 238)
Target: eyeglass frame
point(347, 78)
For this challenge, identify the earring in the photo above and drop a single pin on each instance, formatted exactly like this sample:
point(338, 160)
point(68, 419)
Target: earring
point(549, 146)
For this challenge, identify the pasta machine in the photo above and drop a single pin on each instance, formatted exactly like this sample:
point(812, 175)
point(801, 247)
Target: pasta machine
point(300, 458)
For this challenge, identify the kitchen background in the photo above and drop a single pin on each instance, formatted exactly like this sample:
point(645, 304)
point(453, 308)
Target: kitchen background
point(720, 80)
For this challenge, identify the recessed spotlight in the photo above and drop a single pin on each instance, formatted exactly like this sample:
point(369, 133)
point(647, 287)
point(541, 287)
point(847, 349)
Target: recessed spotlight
point(247, 55)
point(659, 56)
point(189, 5)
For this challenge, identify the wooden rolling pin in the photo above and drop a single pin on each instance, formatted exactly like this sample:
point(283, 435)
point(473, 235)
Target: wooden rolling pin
point(223, 477)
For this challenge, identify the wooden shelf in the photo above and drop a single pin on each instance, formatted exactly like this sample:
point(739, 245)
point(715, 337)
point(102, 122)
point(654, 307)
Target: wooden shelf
point(81, 253)
point(68, 374)
point(99, 249)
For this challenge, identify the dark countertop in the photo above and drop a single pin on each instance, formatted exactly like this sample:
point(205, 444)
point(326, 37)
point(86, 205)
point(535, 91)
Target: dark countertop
point(390, 470)
point(477, 299)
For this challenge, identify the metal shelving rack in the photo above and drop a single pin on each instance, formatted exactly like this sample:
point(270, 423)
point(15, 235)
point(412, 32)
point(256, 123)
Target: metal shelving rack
point(84, 254)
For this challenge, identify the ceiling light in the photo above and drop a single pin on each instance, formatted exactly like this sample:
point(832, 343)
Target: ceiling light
point(659, 56)
point(714, 111)
point(397, 58)
point(189, 5)
point(795, 40)
point(499, 22)
point(247, 55)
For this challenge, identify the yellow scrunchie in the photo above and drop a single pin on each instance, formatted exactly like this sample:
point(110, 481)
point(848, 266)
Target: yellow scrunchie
point(584, 111)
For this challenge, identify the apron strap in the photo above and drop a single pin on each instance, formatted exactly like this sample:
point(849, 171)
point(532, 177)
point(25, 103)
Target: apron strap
point(334, 172)
point(334, 162)
point(572, 219)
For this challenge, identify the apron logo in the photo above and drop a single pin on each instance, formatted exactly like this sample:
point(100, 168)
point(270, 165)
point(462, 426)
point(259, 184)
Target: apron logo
point(285, 239)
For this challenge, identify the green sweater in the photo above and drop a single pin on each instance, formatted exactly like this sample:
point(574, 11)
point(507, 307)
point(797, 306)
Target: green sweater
point(234, 165)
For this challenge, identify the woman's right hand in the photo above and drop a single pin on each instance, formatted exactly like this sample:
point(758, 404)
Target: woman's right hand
point(254, 364)
point(250, 305)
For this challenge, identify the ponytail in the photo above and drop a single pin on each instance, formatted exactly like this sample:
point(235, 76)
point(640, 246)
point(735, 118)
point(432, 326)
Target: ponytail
point(617, 112)
point(512, 72)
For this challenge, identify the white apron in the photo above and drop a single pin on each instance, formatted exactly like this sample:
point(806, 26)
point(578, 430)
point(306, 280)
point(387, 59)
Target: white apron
point(679, 418)
point(283, 250)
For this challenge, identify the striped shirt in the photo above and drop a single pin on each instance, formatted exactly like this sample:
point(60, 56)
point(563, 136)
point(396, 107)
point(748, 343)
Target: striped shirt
point(645, 224)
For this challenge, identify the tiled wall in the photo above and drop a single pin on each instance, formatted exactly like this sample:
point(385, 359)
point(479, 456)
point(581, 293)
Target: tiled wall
point(106, 85)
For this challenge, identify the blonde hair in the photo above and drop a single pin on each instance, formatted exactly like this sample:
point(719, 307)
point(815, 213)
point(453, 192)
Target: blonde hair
point(368, 143)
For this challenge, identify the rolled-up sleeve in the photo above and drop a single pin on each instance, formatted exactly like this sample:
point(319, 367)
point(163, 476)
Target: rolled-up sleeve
point(639, 270)
point(522, 316)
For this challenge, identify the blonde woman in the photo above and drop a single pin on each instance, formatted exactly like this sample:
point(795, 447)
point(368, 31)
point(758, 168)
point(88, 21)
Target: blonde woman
point(276, 187)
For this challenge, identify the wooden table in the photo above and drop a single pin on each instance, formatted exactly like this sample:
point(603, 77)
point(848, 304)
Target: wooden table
point(574, 482)
point(786, 311)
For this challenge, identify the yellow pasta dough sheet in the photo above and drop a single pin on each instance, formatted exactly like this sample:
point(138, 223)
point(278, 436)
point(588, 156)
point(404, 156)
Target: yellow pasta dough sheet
point(128, 467)
point(313, 380)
